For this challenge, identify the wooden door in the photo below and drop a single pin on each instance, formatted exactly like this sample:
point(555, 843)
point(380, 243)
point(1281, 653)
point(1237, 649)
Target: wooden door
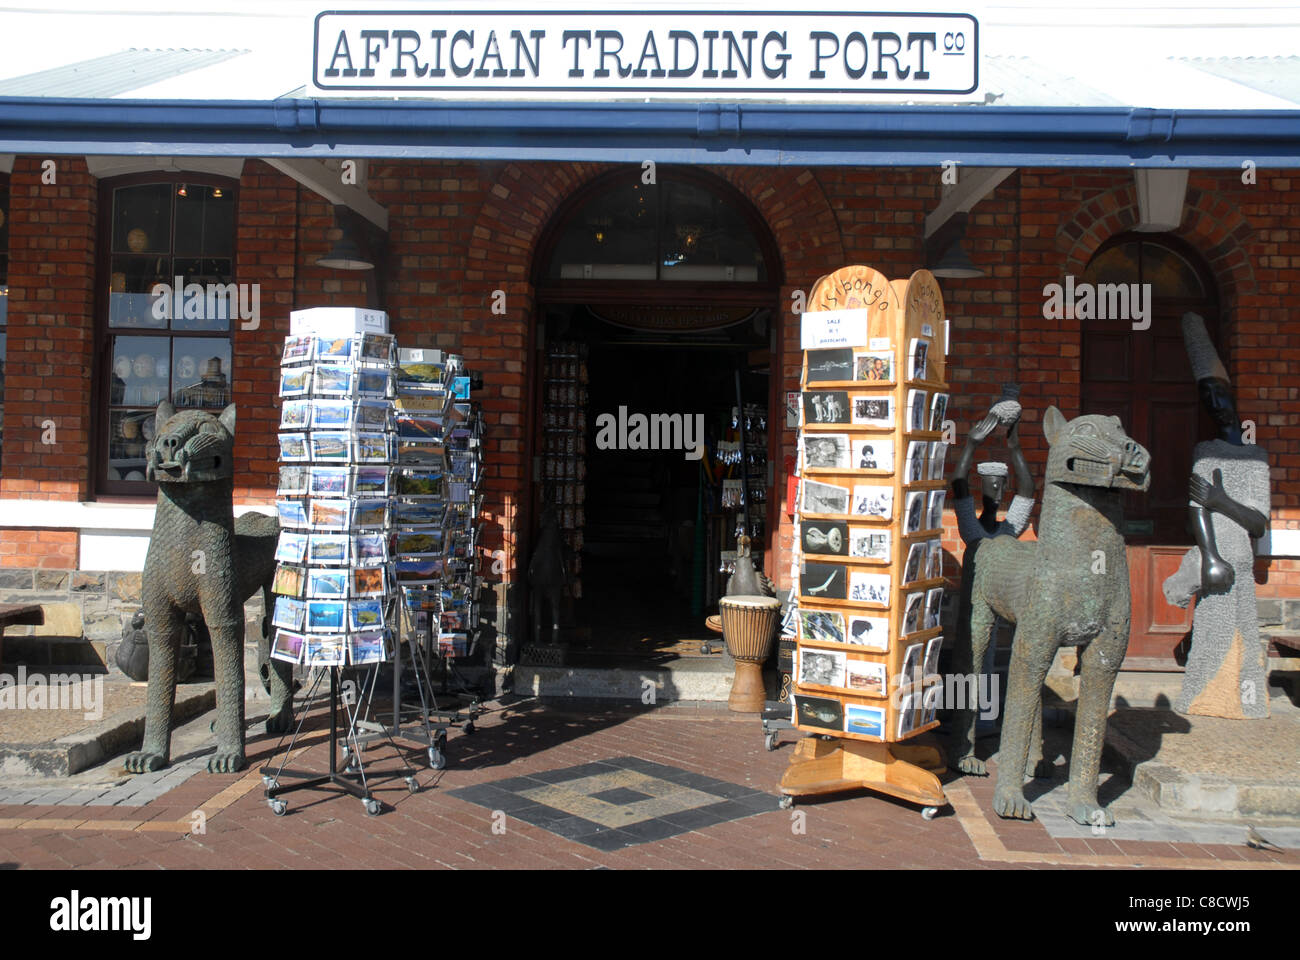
point(1144, 378)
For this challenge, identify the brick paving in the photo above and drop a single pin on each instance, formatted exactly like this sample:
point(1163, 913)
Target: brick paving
point(187, 818)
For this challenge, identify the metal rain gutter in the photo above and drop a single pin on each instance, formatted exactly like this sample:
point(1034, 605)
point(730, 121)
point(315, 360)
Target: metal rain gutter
point(686, 132)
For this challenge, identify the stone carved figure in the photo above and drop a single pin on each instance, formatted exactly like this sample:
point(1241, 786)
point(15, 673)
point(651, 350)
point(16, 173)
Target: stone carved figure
point(1228, 509)
point(970, 654)
point(547, 572)
point(1070, 586)
point(747, 580)
point(201, 561)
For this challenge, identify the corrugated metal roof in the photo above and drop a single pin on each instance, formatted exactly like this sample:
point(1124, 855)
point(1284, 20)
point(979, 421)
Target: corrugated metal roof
point(1024, 81)
point(1277, 76)
point(113, 74)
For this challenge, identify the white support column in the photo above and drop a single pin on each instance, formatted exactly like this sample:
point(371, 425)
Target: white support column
point(320, 179)
point(972, 186)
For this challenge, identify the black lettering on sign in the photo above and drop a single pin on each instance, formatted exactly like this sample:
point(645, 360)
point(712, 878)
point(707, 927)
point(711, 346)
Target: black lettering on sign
point(437, 69)
point(604, 38)
point(462, 36)
point(818, 37)
point(881, 56)
point(341, 50)
point(575, 36)
point(399, 36)
point(369, 42)
point(521, 49)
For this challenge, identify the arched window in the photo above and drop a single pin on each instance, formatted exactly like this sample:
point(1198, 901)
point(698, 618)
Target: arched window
point(1143, 376)
point(685, 228)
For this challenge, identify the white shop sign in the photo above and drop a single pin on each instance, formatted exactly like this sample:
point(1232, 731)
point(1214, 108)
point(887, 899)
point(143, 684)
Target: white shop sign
point(543, 54)
point(820, 329)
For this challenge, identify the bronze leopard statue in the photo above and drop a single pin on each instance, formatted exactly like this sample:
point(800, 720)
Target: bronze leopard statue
point(202, 561)
point(1070, 586)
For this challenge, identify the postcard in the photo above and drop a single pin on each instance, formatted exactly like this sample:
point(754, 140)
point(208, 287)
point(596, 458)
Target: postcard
point(334, 348)
point(932, 649)
point(328, 482)
point(289, 580)
point(291, 548)
point(869, 587)
point(823, 712)
point(418, 544)
point(874, 411)
point(933, 607)
point(369, 513)
point(327, 651)
point(288, 646)
point(368, 581)
point(328, 548)
point(293, 480)
point(295, 414)
point(826, 626)
point(935, 567)
point(825, 406)
point(866, 677)
point(370, 448)
point(916, 457)
point(864, 720)
point(930, 703)
point(331, 380)
point(328, 583)
point(938, 456)
point(295, 381)
point(365, 614)
point(914, 512)
point(829, 366)
point(869, 632)
point(372, 383)
point(907, 713)
point(825, 536)
point(370, 480)
point(377, 347)
point(369, 548)
point(329, 447)
point(873, 501)
point(917, 353)
point(291, 513)
point(824, 581)
point(331, 414)
point(293, 447)
point(935, 511)
point(417, 512)
point(916, 410)
point(938, 410)
point(367, 647)
point(329, 514)
point(821, 668)
point(911, 664)
point(874, 367)
point(918, 556)
point(873, 453)
point(871, 543)
point(417, 571)
point(419, 454)
point(296, 350)
point(913, 609)
point(826, 451)
point(288, 613)
point(417, 483)
point(372, 415)
point(824, 498)
point(325, 616)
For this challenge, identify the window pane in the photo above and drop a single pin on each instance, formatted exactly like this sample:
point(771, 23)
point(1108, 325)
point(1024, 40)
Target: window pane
point(140, 371)
point(1168, 273)
point(1119, 264)
point(142, 219)
point(128, 431)
point(200, 372)
point(212, 303)
point(616, 232)
point(205, 223)
point(704, 238)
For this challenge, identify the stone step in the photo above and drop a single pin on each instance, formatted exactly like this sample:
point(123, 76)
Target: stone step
point(702, 679)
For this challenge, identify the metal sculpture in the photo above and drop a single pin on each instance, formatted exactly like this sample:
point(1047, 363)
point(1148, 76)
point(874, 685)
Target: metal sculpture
point(1228, 509)
point(1070, 586)
point(200, 561)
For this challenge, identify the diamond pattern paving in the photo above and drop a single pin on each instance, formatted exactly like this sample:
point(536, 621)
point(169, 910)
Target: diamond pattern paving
point(619, 802)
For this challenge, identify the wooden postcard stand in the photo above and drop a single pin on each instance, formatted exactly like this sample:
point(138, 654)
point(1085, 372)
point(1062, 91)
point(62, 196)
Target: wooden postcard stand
point(869, 520)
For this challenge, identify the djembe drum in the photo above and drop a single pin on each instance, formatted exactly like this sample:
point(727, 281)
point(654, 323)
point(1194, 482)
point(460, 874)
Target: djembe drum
point(748, 626)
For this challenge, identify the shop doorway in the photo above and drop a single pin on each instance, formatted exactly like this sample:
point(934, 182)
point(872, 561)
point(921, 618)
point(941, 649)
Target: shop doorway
point(653, 339)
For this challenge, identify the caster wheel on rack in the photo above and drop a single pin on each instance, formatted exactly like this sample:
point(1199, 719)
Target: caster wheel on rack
point(412, 785)
point(785, 803)
point(469, 727)
point(268, 781)
point(769, 741)
point(278, 807)
point(929, 813)
point(706, 649)
point(437, 759)
point(372, 807)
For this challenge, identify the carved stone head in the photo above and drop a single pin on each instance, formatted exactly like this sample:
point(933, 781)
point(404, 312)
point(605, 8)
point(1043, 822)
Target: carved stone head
point(191, 446)
point(1094, 451)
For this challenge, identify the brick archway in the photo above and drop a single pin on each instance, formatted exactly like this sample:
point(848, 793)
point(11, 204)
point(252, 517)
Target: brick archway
point(1212, 226)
